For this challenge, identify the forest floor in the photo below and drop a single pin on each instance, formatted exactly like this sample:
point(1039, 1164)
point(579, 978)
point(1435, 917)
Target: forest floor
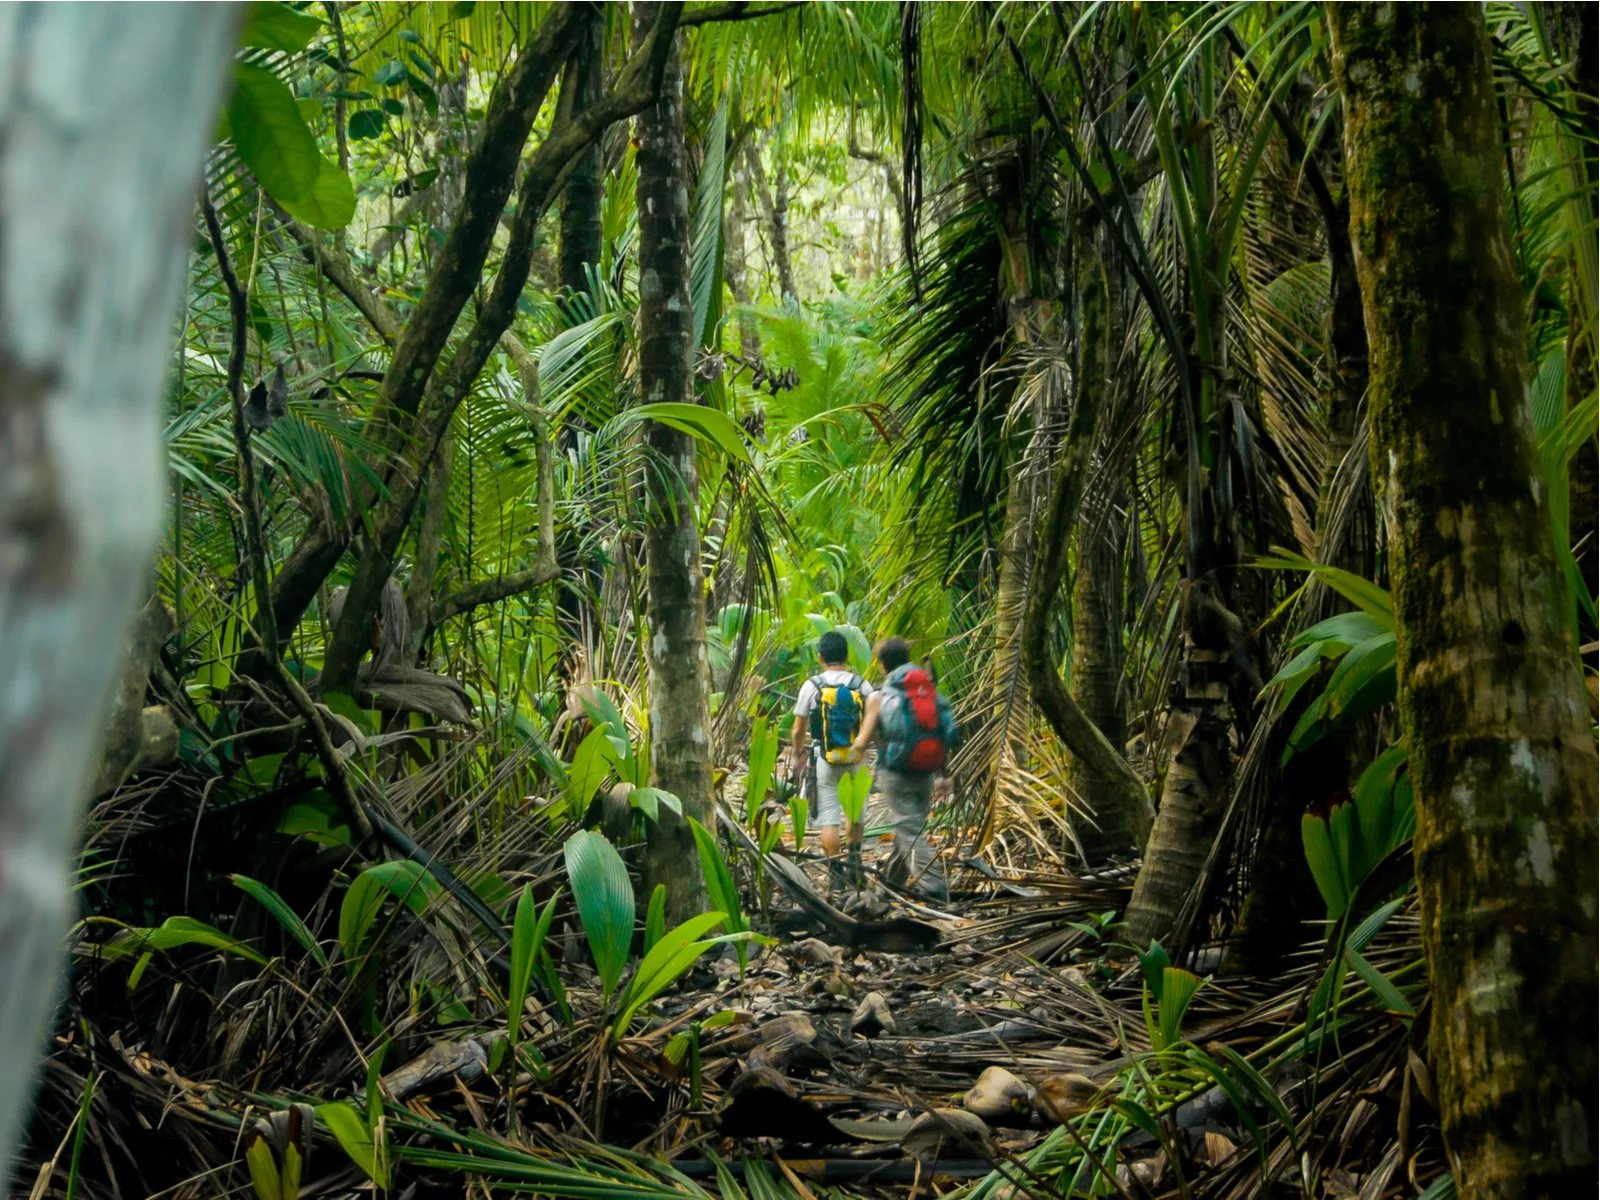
point(829, 1068)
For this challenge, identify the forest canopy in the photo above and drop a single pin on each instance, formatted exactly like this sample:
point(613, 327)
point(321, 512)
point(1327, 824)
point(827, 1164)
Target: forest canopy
point(769, 599)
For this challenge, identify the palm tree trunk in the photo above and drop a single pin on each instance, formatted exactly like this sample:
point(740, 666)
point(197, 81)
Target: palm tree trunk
point(1097, 684)
point(680, 746)
point(776, 211)
point(584, 192)
point(108, 113)
point(1491, 705)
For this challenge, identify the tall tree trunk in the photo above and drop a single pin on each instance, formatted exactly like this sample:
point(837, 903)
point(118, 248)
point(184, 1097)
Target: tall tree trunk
point(1098, 597)
point(584, 193)
point(734, 266)
point(1192, 796)
point(1126, 802)
point(1490, 703)
point(679, 681)
point(107, 113)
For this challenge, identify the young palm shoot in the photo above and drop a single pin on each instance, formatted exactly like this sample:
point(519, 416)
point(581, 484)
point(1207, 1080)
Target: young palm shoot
point(854, 788)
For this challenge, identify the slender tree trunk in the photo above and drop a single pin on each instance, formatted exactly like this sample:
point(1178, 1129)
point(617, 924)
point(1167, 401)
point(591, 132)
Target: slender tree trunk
point(584, 193)
point(1097, 683)
point(776, 211)
point(734, 266)
point(107, 113)
point(1491, 705)
point(680, 722)
point(430, 538)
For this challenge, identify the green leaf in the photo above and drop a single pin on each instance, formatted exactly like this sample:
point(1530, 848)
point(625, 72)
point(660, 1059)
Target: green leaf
point(590, 765)
point(263, 1169)
point(331, 202)
point(407, 881)
point(1376, 808)
point(668, 959)
point(1252, 1079)
point(278, 27)
point(318, 818)
point(366, 123)
point(527, 939)
point(391, 74)
point(699, 422)
point(352, 1133)
point(1178, 988)
point(1138, 1115)
point(287, 917)
point(1388, 995)
point(1324, 863)
point(1363, 593)
point(763, 758)
point(1365, 679)
point(170, 935)
point(720, 887)
point(655, 917)
point(649, 801)
point(705, 273)
point(604, 896)
point(1351, 629)
point(1231, 1090)
point(270, 135)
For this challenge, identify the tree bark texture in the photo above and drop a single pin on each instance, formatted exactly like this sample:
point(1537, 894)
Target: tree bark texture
point(1097, 683)
point(584, 193)
point(107, 112)
point(1126, 793)
point(775, 207)
point(734, 266)
point(679, 678)
point(1491, 705)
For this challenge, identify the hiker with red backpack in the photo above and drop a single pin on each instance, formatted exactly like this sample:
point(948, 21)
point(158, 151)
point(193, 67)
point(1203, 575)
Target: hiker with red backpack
point(918, 732)
point(830, 708)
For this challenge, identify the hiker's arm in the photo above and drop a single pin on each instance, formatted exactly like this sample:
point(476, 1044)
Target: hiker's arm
point(797, 746)
point(869, 724)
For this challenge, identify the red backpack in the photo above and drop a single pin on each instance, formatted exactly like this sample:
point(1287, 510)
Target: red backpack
point(917, 725)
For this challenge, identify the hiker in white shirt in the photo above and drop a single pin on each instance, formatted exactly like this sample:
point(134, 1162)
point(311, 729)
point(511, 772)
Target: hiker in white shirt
point(836, 674)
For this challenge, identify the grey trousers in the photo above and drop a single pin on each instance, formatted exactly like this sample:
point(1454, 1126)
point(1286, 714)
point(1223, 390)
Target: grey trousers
point(911, 863)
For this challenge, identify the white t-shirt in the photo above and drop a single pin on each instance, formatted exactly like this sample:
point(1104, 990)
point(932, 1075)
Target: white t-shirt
point(805, 703)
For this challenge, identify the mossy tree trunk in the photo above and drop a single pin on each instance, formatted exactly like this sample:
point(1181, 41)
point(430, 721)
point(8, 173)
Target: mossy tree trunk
point(1491, 704)
point(680, 745)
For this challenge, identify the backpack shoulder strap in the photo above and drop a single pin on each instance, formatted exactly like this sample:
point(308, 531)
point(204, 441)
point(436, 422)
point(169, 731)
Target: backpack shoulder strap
point(855, 682)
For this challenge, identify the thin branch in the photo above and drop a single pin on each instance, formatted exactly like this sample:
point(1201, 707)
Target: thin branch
point(255, 543)
point(339, 271)
point(735, 10)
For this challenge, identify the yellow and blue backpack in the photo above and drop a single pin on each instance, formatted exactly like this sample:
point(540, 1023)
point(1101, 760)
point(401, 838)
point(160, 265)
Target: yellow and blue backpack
point(836, 720)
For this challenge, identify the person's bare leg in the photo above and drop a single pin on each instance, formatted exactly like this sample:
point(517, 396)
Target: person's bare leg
point(830, 840)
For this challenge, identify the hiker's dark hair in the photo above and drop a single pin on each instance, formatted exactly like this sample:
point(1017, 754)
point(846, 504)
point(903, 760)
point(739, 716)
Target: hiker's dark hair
point(832, 648)
point(894, 652)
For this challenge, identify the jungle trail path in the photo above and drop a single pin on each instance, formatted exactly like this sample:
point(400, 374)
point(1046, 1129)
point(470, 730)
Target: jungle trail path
point(885, 1045)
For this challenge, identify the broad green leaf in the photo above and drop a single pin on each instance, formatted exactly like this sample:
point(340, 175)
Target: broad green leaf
point(263, 1170)
point(318, 818)
point(1137, 1115)
point(270, 135)
point(365, 124)
point(345, 706)
point(720, 887)
point(1177, 990)
point(604, 897)
point(1364, 680)
point(390, 74)
point(330, 203)
point(1351, 628)
point(1375, 803)
point(590, 766)
point(352, 1133)
point(170, 935)
point(407, 881)
point(705, 270)
point(1240, 1069)
point(650, 801)
point(1230, 1089)
point(278, 27)
point(1324, 863)
point(286, 916)
point(698, 421)
point(763, 758)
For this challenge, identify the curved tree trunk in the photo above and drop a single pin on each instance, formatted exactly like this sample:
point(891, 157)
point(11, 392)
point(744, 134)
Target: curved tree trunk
point(1491, 705)
point(679, 682)
point(107, 112)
